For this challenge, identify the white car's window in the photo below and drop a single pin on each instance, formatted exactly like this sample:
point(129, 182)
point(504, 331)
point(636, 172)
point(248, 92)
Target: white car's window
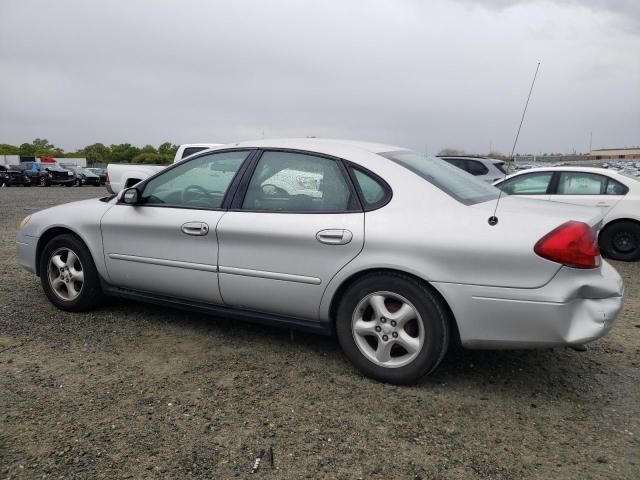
point(581, 183)
point(295, 182)
point(616, 188)
point(528, 184)
point(199, 183)
point(453, 181)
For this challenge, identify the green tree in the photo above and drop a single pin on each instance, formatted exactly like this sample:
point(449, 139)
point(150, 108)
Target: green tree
point(148, 149)
point(123, 153)
point(96, 153)
point(152, 158)
point(168, 148)
point(27, 149)
point(6, 149)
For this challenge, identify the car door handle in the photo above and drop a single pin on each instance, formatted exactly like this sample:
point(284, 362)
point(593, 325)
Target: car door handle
point(334, 236)
point(195, 228)
point(602, 204)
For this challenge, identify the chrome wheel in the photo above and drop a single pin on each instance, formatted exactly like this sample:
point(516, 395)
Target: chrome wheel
point(388, 329)
point(65, 274)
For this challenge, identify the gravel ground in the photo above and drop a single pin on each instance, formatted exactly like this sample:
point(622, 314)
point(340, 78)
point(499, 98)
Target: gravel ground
point(139, 391)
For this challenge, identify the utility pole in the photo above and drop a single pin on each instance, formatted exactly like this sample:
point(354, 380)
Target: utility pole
point(590, 141)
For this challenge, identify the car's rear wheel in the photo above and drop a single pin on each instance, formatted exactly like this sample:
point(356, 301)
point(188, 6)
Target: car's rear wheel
point(43, 182)
point(68, 274)
point(621, 241)
point(392, 327)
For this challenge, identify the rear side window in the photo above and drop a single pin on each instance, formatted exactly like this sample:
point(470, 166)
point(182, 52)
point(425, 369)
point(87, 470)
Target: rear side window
point(616, 188)
point(500, 166)
point(581, 183)
point(451, 180)
point(298, 182)
point(474, 167)
point(374, 192)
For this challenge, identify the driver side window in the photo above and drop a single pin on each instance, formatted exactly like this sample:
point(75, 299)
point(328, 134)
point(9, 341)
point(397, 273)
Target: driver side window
point(199, 183)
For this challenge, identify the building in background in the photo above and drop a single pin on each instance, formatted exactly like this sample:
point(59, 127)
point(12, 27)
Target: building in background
point(615, 154)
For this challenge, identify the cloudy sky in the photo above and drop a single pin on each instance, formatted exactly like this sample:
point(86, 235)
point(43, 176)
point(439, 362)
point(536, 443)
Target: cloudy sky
point(427, 75)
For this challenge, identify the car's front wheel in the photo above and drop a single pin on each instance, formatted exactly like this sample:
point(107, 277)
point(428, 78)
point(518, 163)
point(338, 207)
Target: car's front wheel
point(621, 241)
point(392, 327)
point(44, 182)
point(68, 274)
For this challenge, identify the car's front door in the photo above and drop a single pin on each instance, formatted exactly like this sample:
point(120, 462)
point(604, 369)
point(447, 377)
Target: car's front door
point(590, 189)
point(297, 225)
point(532, 185)
point(166, 244)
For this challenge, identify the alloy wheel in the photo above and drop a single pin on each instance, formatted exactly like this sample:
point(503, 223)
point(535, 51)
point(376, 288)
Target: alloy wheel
point(388, 329)
point(65, 274)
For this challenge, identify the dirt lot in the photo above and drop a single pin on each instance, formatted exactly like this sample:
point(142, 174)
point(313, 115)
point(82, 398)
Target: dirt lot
point(138, 391)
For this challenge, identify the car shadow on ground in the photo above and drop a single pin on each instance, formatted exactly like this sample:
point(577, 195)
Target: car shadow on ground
point(557, 373)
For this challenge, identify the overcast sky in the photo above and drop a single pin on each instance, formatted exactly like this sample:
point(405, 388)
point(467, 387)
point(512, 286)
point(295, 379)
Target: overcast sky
point(426, 75)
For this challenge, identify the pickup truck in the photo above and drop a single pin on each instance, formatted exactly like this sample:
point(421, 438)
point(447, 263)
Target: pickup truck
point(125, 175)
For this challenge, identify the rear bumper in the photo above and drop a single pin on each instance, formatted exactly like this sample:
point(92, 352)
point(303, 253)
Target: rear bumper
point(575, 307)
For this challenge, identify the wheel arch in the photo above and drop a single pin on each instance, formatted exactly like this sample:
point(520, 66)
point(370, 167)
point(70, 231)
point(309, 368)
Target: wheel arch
point(354, 277)
point(46, 238)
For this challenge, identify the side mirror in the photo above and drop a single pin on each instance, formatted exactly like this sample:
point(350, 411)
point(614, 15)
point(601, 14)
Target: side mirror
point(130, 196)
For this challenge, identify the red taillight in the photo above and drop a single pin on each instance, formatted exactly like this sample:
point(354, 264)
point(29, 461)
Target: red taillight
point(573, 244)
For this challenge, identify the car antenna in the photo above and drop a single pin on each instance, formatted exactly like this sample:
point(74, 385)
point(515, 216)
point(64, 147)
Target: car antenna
point(493, 219)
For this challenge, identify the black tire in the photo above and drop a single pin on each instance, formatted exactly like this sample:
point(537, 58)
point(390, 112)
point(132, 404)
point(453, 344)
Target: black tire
point(78, 182)
point(430, 309)
point(621, 241)
point(90, 295)
point(44, 182)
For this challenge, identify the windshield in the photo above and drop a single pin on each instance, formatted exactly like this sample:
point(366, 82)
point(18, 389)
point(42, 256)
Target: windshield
point(453, 181)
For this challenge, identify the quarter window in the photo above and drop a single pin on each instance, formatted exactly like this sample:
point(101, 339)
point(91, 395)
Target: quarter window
point(198, 183)
point(296, 182)
point(529, 184)
point(373, 192)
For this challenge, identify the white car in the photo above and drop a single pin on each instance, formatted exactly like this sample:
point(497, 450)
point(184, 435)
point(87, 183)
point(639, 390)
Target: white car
point(616, 193)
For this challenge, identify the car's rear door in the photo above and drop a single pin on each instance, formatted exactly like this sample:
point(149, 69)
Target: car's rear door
point(587, 188)
point(167, 244)
point(296, 222)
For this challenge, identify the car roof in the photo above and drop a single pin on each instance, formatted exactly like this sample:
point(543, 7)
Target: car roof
point(628, 181)
point(320, 145)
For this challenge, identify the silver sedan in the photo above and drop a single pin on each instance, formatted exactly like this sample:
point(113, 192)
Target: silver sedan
point(394, 253)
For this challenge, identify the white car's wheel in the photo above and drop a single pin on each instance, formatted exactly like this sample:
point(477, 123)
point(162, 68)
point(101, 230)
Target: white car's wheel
point(68, 274)
point(392, 327)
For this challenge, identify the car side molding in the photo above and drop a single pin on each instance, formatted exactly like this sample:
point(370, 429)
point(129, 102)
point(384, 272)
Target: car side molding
point(280, 321)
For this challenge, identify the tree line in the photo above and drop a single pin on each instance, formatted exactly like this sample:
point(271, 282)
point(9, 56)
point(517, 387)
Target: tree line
point(97, 152)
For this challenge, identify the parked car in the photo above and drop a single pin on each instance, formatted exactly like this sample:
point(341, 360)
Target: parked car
point(486, 169)
point(101, 172)
point(615, 193)
point(47, 174)
point(392, 253)
point(11, 176)
point(83, 175)
point(125, 175)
